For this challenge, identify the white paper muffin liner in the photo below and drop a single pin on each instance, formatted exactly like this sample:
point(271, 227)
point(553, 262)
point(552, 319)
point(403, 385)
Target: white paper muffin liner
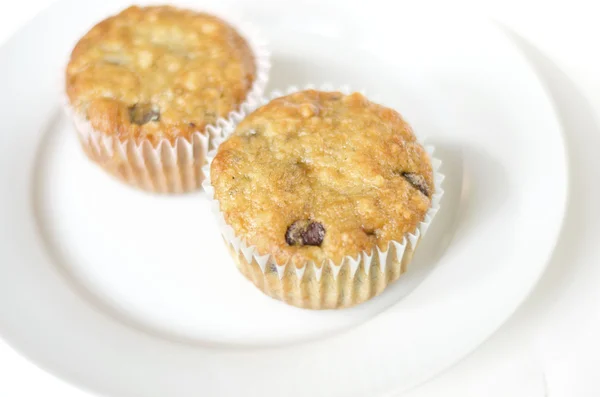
point(171, 167)
point(330, 285)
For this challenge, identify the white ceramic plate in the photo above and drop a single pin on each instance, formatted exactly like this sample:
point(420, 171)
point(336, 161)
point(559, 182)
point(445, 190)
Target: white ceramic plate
point(134, 295)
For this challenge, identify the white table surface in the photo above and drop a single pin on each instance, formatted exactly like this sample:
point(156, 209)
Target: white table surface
point(550, 346)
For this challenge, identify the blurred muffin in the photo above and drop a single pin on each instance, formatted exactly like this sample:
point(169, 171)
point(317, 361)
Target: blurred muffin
point(144, 87)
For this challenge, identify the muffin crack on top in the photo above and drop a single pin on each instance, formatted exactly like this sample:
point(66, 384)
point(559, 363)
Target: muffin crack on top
point(159, 73)
point(318, 176)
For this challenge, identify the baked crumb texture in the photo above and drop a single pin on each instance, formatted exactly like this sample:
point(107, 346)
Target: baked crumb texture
point(323, 197)
point(146, 86)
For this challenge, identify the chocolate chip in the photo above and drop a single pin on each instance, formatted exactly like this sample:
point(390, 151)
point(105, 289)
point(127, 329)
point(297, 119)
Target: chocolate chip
point(305, 232)
point(369, 232)
point(315, 232)
point(142, 113)
point(417, 181)
point(193, 125)
point(293, 234)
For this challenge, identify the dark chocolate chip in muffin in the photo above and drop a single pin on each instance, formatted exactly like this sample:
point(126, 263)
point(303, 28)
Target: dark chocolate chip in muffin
point(369, 232)
point(142, 113)
point(315, 232)
point(417, 181)
point(293, 234)
point(305, 232)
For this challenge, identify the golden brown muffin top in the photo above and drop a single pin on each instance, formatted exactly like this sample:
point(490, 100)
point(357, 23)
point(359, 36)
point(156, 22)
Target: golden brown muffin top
point(316, 175)
point(159, 72)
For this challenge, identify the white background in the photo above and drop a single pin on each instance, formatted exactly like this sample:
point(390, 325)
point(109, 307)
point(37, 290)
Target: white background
point(550, 347)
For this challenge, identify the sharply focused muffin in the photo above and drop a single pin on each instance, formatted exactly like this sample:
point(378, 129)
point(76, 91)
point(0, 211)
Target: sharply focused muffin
point(314, 179)
point(152, 76)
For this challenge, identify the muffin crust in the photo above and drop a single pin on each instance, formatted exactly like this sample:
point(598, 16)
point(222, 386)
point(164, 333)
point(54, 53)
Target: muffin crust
point(159, 72)
point(316, 176)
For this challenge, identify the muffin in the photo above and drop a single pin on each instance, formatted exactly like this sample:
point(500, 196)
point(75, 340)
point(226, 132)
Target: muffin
point(146, 88)
point(323, 197)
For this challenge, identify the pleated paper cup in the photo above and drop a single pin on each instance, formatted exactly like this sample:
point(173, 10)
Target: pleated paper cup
point(324, 285)
point(170, 166)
